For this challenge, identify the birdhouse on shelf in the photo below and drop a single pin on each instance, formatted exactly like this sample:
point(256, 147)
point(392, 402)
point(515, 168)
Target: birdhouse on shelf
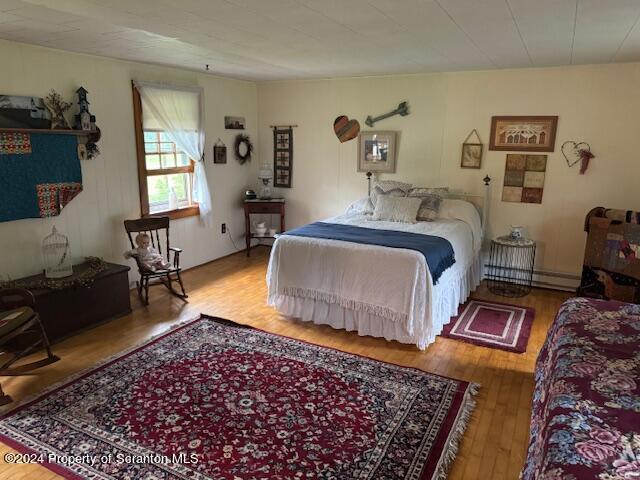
point(83, 118)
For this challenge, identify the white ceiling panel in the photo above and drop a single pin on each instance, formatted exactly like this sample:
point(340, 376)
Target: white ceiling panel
point(601, 28)
point(547, 28)
point(278, 39)
point(490, 26)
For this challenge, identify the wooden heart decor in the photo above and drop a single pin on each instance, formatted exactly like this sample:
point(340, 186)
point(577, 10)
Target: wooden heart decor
point(346, 129)
point(577, 152)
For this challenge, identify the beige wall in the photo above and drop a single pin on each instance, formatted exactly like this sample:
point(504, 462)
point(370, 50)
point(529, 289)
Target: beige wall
point(596, 104)
point(93, 220)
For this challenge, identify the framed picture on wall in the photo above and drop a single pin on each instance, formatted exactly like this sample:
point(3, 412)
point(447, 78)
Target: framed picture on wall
point(234, 123)
point(471, 155)
point(524, 133)
point(219, 152)
point(377, 151)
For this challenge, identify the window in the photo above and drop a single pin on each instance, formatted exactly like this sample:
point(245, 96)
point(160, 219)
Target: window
point(169, 173)
point(165, 173)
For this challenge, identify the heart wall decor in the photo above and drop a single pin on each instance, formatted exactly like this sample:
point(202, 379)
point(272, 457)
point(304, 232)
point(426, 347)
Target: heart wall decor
point(575, 152)
point(346, 129)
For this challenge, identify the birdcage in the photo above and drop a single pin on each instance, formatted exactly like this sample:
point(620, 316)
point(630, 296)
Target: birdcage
point(56, 254)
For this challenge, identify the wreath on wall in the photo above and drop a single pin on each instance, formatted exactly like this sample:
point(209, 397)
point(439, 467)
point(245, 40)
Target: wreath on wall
point(243, 143)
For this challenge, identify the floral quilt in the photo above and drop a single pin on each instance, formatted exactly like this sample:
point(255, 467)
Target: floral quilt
point(585, 422)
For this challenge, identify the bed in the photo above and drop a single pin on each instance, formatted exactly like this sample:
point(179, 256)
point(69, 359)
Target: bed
point(585, 422)
point(373, 289)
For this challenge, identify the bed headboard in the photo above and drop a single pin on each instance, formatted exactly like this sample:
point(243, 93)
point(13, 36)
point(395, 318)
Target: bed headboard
point(481, 202)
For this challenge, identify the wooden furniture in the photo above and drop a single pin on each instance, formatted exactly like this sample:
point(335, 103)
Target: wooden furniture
point(611, 266)
point(21, 333)
point(69, 310)
point(166, 277)
point(510, 269)
point(274, 206)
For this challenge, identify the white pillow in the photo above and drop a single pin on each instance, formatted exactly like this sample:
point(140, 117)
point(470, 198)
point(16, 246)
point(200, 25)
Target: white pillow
point(389, 188)
point(397, 209)
point(363, 206)
point(462, 210)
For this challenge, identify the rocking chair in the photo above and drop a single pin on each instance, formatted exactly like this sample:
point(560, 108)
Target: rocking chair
point(21, 333)
point(166, 277)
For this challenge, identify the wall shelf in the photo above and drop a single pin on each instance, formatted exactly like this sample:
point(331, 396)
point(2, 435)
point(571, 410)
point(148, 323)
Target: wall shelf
point(79, 133)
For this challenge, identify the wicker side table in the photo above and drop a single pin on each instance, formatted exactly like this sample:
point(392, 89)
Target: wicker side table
point(510, 269)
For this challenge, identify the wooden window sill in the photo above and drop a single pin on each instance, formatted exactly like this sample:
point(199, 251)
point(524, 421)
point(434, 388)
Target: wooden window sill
point(178, 213)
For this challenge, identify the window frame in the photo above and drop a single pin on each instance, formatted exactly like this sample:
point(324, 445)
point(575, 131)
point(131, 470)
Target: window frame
point(143, 173)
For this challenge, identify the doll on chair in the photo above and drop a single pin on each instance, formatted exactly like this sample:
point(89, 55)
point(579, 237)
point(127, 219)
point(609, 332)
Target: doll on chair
point(148, 256)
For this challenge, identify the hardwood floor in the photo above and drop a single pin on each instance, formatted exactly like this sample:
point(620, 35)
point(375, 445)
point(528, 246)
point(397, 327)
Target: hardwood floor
point(494, 444)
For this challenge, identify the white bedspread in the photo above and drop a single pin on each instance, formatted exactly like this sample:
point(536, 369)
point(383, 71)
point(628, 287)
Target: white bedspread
point(376, 290)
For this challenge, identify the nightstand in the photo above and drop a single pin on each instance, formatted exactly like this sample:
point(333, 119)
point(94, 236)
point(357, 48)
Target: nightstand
point(510, 269)
point(274, 206)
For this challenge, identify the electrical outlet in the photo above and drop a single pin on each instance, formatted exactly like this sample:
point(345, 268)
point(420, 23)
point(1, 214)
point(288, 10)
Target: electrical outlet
point(223, 228)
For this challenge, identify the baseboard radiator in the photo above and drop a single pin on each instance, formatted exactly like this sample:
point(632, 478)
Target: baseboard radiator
point(548, 279)
point(555, 280)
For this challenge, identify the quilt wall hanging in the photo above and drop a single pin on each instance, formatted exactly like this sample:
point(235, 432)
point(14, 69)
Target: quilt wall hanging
point(282, 156)
point(524, 178)
point(40, 174)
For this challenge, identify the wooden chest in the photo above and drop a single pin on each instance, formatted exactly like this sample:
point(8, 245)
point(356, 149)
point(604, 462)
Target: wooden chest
point(73, 309)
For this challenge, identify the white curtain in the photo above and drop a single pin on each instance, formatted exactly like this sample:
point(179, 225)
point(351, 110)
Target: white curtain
point(179, 112)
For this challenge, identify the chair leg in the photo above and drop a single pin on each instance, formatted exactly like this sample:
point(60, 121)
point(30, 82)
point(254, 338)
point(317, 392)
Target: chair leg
point(184, 294)
point(168, 282)
point(139, 287)
point(4, 398)
point(146, 291)
point(45, 339)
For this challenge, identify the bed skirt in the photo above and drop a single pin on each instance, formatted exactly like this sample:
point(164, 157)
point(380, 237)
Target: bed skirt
point(453, 288)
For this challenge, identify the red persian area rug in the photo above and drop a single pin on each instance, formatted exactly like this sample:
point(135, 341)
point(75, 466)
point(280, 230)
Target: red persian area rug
point(216, 400)
point(492, 324)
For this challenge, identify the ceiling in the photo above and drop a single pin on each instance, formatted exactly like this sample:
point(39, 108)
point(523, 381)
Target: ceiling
point(281, 39)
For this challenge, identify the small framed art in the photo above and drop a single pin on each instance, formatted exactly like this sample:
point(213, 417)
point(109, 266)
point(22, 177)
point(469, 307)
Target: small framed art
point(471, 152)
point(523, 134)
point(524, 178)
point(377, 151)
point(219, 152)
point(471, 155)
point(234, 123)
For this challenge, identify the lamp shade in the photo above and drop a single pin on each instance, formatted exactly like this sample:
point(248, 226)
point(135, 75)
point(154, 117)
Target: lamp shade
point(265, 173)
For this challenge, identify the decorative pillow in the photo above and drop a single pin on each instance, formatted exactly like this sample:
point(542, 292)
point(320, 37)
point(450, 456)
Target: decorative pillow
point(363, 206)
point(431, 200)
point(389, 188)
point(420, 191)
point(396, 209)
point(429, 207)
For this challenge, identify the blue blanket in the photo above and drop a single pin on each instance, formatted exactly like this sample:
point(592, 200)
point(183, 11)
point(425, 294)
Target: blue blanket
point(437, 251)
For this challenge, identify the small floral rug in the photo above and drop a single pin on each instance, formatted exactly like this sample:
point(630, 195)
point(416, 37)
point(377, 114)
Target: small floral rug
point(215, 400)
point(492, 324)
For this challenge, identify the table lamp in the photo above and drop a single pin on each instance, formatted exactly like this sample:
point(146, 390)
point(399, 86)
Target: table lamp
point(266, 175)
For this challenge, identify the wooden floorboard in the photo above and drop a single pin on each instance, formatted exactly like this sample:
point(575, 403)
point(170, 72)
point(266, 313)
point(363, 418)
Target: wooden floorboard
point(234, 287)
